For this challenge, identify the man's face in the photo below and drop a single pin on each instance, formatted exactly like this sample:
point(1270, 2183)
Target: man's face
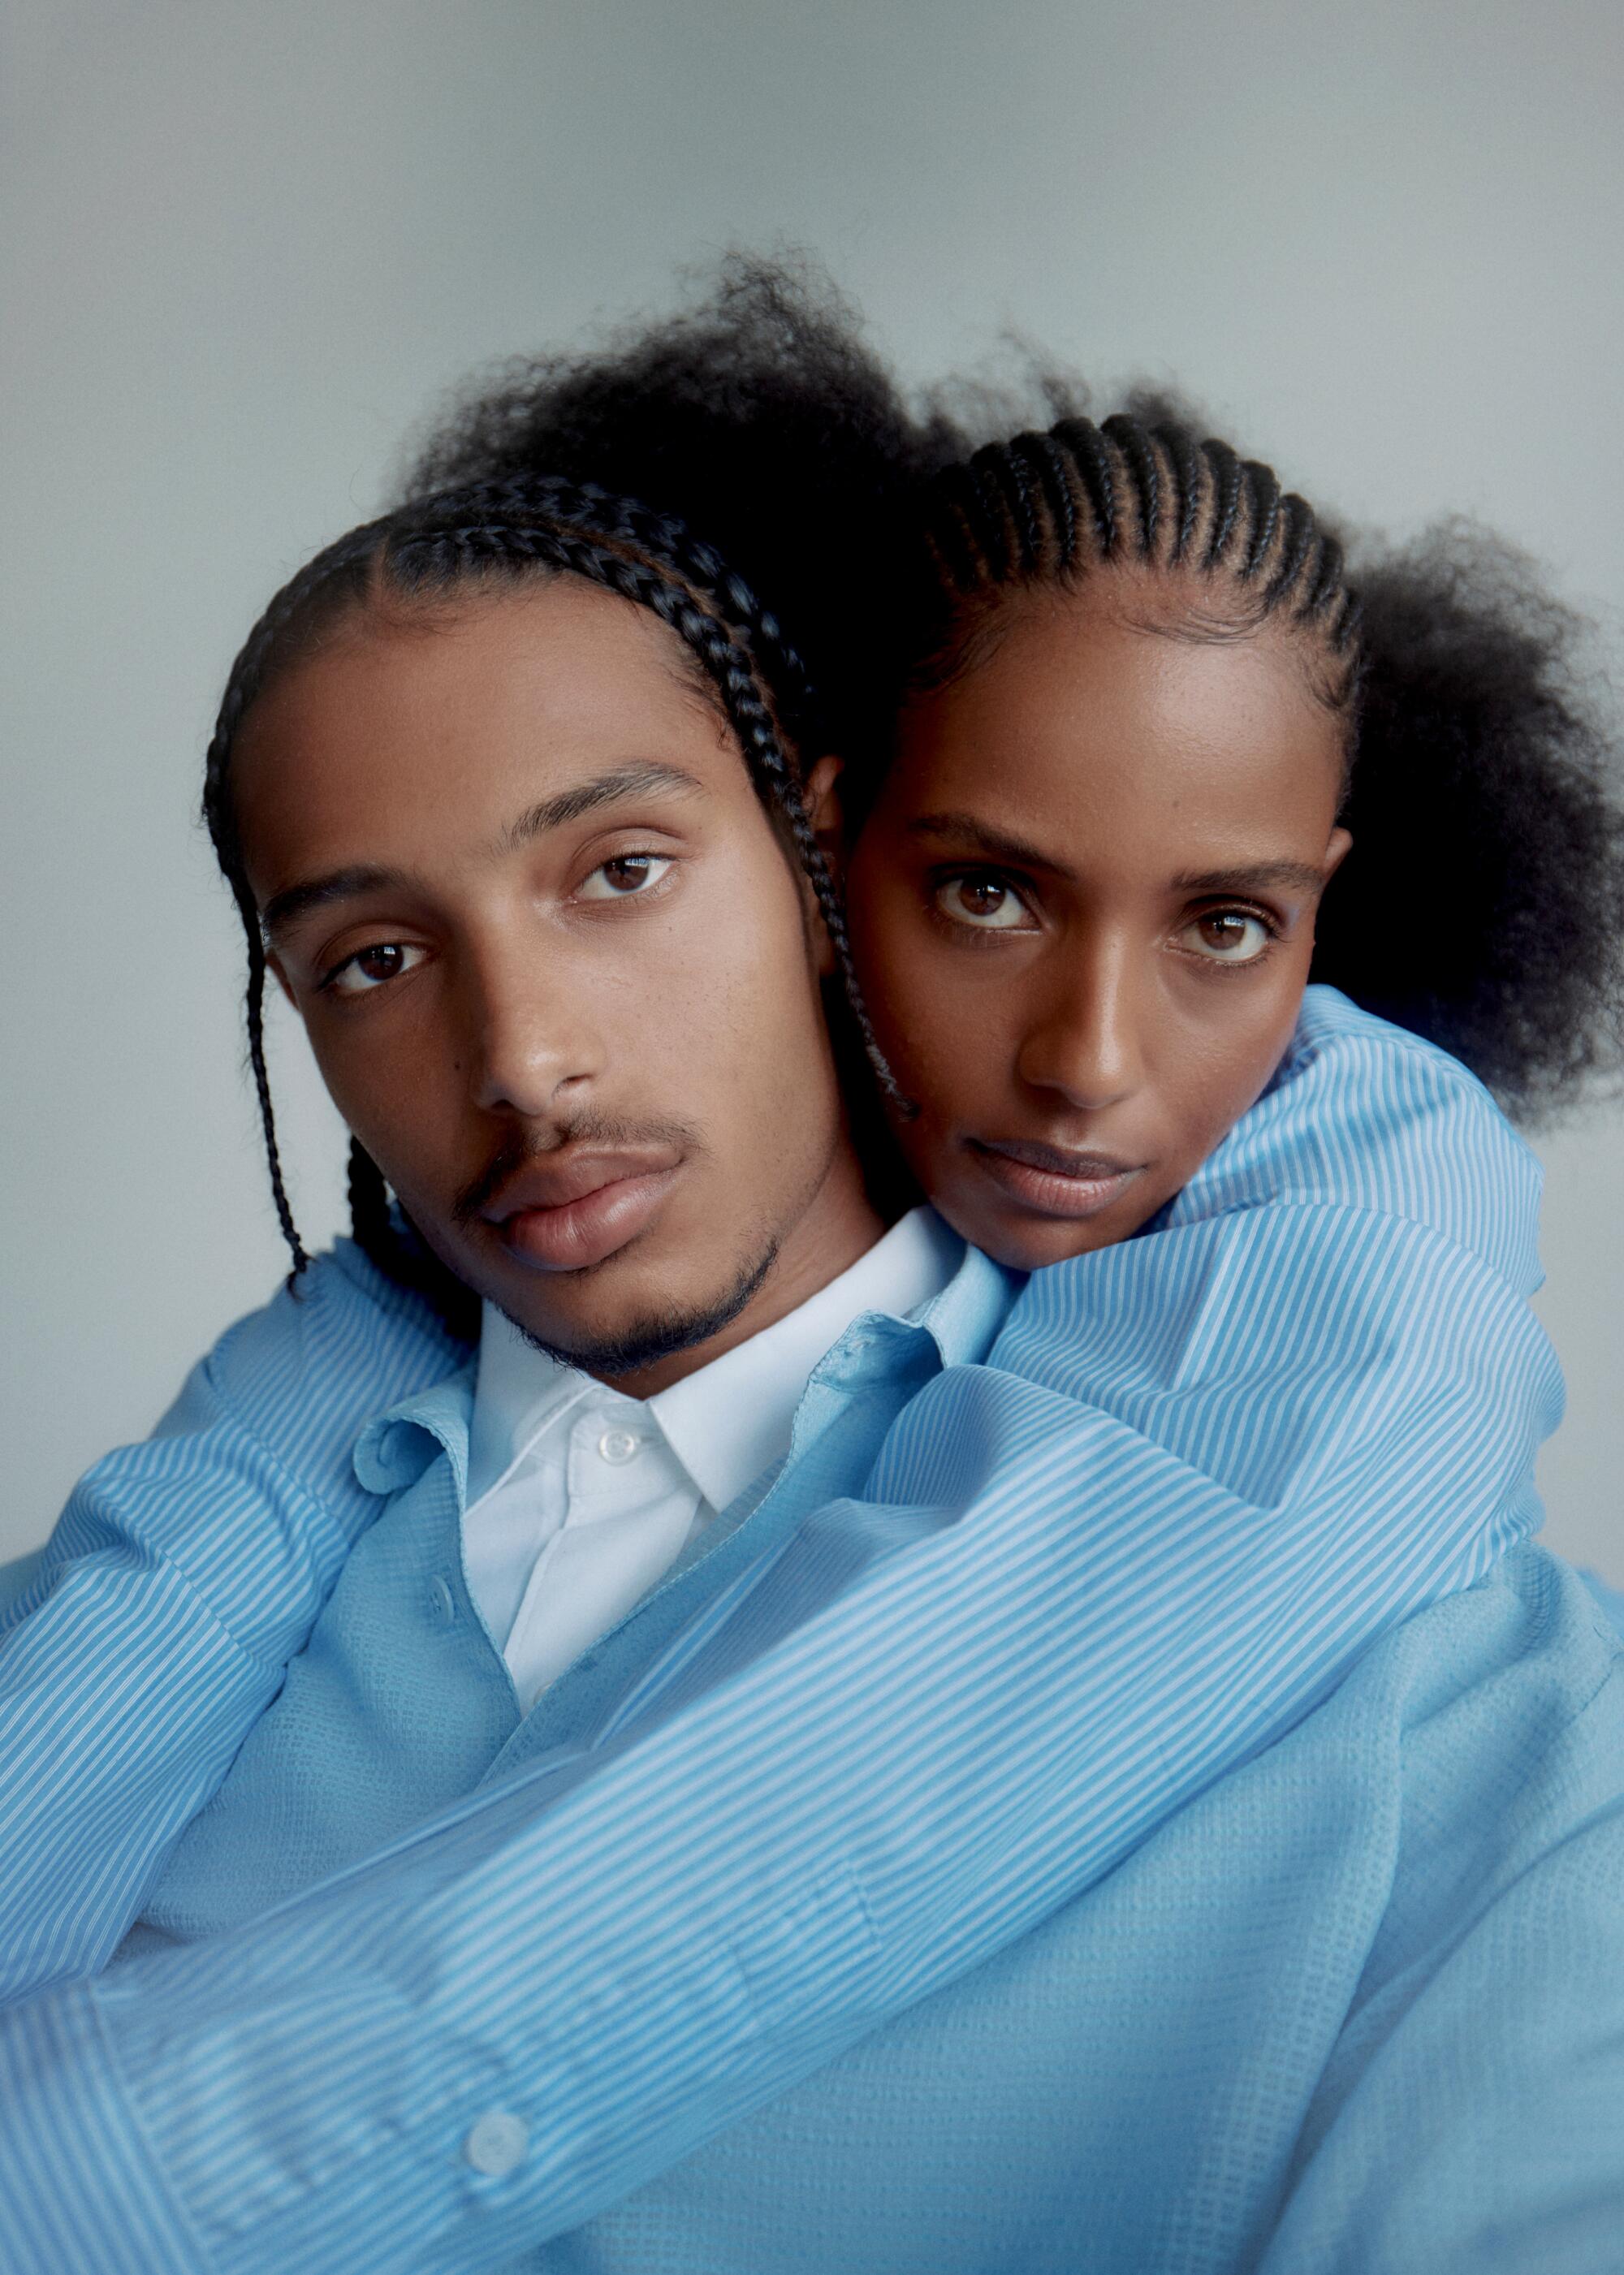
point(558, 973)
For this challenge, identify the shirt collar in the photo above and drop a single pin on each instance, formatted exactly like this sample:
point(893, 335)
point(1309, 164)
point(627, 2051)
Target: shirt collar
point(396, 1446)
point(964, 1320)
point(518, 1390)
point(919, 1274)
point(727, 1422)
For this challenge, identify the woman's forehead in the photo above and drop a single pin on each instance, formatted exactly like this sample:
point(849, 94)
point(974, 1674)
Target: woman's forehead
point(1087, 729)
point(1097, 685)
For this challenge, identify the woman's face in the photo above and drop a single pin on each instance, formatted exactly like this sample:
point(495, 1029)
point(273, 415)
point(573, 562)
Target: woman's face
point(1083, 909)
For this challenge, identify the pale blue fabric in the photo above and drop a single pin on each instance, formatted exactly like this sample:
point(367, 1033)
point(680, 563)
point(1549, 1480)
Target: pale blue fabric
point(866, 1744)
point(1610, 1599)
point(1358, 2010)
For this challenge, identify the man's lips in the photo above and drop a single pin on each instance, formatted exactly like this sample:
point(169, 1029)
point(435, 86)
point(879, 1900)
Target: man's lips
point(1052, 1179)
point(575, 1207)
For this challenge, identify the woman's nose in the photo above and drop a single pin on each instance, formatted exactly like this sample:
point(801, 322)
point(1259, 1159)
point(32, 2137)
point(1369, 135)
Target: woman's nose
point(1084, 1043)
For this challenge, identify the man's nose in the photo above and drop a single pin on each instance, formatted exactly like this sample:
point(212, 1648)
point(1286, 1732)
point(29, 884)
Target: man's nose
point(1084, 1041)
point(533, 1038)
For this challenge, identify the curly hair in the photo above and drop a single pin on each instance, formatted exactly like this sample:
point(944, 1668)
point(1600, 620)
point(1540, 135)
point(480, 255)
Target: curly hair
point(750, 470)
point(760, 417)
point(1480, 781)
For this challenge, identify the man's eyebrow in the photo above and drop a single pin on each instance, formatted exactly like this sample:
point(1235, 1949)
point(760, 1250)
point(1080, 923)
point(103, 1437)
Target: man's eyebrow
point(962, 826)
point(635, 781)
point(1252, 877)
point(284, 908)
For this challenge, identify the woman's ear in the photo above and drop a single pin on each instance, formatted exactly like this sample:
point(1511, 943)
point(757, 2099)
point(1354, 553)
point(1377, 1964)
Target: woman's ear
point(823, 811)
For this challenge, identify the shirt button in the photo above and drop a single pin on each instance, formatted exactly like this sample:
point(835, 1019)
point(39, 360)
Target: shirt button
point(617, 1446)
point(496, 2142)
point(442, 1604)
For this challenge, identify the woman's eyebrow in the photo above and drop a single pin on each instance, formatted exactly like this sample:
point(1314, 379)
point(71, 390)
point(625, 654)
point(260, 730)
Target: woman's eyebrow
point(966, 827)
point(1252, 877)
point(635, 781)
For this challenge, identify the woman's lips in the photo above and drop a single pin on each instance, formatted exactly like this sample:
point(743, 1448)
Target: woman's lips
point(1050, 1180)
point(589, 1222)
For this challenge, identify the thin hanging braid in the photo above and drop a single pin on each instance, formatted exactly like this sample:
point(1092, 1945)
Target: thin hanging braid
point(508, 531)
point(339, 569)
point(1052, 507)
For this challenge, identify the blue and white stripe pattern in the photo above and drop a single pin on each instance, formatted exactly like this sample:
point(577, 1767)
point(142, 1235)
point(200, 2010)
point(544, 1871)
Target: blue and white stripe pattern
point(1201, 1472)
point(139, 1647)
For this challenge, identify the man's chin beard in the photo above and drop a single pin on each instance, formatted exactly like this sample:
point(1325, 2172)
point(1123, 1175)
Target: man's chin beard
point(659, 1335)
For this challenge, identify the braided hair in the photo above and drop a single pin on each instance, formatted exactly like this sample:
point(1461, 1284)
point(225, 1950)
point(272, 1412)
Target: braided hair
point(1476, 785)
point(510, 530)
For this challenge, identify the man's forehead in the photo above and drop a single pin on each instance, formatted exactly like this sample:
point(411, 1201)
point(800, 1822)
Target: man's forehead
point(492, 729)
point(584, 665)
point(639, 781)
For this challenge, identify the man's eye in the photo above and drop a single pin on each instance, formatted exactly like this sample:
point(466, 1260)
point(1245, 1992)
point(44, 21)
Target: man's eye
point(373, 967)
point(985, 902)
point(1227, 936)
point(626, 874)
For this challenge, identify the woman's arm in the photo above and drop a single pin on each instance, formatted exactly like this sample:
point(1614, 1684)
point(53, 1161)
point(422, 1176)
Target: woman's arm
point(140, 1645)
point(1063, 1609)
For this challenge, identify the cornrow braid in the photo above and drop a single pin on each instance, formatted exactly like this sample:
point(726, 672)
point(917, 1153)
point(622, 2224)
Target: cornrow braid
point(1231, 478)
point(1090, 458)
point(1054, 508)
point(1186, 458)
point(1043, 454)
point(657, 536)
point(1478, 783)
point(510, 529)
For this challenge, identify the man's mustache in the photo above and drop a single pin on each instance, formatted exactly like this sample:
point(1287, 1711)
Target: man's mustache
point(587, 1130)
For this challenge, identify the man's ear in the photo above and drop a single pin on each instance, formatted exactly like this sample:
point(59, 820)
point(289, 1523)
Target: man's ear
point(822, 796)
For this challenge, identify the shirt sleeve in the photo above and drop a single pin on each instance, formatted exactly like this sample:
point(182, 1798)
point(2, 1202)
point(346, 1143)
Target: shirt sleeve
point(1081, 1585)
point(140, 1645)
point(1202, 1475)
point(1470, 2119)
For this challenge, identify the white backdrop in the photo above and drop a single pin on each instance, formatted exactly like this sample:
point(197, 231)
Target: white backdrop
point(243, 248)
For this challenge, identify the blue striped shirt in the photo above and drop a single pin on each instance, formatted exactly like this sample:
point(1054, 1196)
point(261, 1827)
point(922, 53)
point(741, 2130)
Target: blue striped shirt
point(1200, 1473)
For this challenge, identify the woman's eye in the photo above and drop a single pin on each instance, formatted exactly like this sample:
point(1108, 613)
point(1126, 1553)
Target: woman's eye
point(1228, 936)
point(371, 967)
point(987, 902)
point(626, 874)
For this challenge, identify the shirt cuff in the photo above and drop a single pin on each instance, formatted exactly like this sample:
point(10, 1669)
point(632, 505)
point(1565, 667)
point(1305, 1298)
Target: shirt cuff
point(79, 2186)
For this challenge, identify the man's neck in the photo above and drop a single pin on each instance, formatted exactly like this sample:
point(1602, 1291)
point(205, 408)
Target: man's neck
point(838, 1225)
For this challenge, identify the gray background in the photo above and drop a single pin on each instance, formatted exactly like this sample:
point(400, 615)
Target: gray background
point(244, 247)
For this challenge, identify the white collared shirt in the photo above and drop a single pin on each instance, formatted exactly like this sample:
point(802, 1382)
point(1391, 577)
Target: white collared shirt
point(581, 1499)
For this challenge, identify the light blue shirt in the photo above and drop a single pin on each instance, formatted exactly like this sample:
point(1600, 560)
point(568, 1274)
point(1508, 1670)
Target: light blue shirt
point(885, 1729)
point(1356, 2010)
